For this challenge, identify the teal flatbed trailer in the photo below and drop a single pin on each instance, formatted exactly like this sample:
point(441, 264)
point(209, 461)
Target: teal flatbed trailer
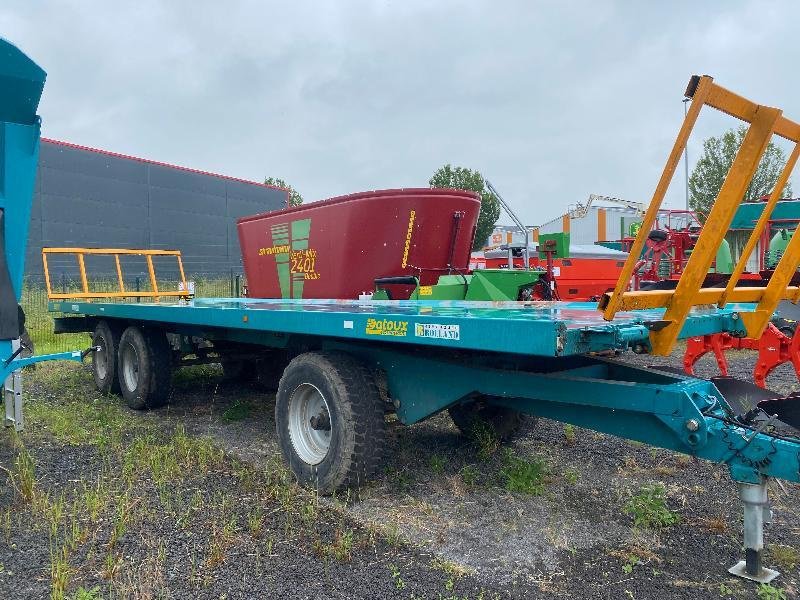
point(340, 366)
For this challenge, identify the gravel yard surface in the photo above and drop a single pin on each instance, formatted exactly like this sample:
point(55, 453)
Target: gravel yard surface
point(191, 501)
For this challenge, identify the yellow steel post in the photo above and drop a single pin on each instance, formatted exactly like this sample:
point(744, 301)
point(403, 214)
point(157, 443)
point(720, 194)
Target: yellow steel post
point(730, 195)
point(183, 275)
point(612, 302)
point(46, 274)
point(119, 274)
point(761, 224)
point(152, 271)
point(82, 269)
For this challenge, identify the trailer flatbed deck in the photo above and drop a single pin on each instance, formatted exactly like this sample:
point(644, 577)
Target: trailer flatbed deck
point(531, 329)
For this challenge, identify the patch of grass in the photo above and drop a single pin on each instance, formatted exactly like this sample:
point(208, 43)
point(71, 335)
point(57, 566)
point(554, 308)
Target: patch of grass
point(571, 475)
point(51, 510)
point(766, 591)
point(23, 476)
point(448, 567)
point(786, 557)
point(469, 475)
point(59, 573)
point(218, 542)
point(663, 470)
point(194, 376)
point(255, 521)
point(437, 464)
point(391, 533)
point(631, 561)
point(238, 411)
point(484, 437)
point(399, 479)
point(398, 580)
point(340, 548)
point(172, 460)
point(83, 594)
point(94, 500)
point(649, 508)
point(121, 517)
point(523, 476)
point(569, 434)
point(77, 422)
point(111, 565)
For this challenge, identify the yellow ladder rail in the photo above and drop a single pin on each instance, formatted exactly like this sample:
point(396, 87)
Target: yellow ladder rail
point(87, 294)
point(764, 122)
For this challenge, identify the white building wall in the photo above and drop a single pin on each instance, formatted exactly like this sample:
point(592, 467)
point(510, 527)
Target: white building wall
point(584, 231)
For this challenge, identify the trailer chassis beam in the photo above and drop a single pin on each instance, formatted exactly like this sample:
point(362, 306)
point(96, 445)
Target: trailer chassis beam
point(670, 411)
point(678, 413)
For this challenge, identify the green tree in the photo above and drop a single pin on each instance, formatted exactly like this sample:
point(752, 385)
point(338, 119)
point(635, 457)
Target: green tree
point(718, 154)
point(295, 199)
point(460, 178)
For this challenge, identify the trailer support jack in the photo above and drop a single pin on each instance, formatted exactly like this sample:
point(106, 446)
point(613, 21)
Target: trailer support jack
point(756, 512)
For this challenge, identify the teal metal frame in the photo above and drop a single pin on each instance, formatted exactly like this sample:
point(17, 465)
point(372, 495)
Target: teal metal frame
point(534, 329)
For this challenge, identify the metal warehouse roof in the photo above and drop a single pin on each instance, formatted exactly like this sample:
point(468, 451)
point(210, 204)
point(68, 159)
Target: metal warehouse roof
point(155, 162)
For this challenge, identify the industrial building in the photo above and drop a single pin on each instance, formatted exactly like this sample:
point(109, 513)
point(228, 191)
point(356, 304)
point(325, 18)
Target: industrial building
point(86, 197)
point(598, 219)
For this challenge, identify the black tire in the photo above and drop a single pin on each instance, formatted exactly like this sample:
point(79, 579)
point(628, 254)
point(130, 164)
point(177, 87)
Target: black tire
point(104, 361)
point(504, 422)
point(355, 418)
point(144, 367)
point(657, 235)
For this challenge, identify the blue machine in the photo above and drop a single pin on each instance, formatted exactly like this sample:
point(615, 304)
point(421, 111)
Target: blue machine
point(21, 82)
point(537, 358)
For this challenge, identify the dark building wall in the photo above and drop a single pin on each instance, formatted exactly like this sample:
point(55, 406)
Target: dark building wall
point(90, 198)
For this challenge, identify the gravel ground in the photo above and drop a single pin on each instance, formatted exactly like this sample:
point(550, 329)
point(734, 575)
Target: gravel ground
point(439, 523)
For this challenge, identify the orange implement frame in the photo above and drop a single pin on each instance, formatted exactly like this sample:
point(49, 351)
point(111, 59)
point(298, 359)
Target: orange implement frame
point(86, 294)
point(764, 122)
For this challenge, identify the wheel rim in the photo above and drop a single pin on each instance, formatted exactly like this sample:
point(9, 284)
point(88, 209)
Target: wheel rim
point(100, 358)
point(309, 424)
point(130, 366)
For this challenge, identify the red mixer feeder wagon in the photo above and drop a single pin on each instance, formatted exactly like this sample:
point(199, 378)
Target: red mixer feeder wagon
point(336, 248)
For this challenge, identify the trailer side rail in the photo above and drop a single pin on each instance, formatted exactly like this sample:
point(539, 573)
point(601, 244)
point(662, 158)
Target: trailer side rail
point(87, 294)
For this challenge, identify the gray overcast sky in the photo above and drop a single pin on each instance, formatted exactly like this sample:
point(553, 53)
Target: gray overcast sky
point(551, 101)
